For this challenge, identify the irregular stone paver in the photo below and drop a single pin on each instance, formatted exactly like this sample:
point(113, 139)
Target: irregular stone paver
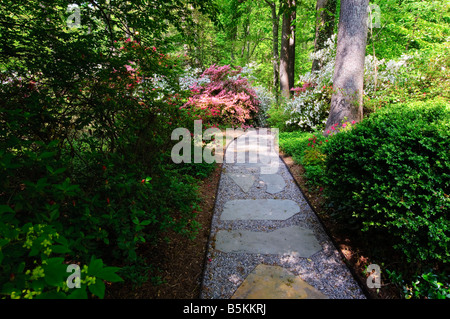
point(275, 282)
point(244, 181)
point(253, 150)
point(274, 183)
point(259, 209)
point(294, 240)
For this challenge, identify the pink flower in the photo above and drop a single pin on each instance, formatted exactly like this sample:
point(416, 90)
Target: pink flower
point(353, 122)
point(129, 68)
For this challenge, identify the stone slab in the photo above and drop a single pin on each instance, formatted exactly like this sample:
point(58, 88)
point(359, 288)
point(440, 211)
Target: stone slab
point(254, 150)
point(244, 181)
point(294, 241)
point(259, 209)
point(274, 183)
point(275, 282)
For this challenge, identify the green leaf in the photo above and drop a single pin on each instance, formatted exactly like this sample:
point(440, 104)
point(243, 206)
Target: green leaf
point(47, 155)
point(145, 223)
point(3, 242)
point(21, 267)
point(78, 293)
point(62, 240)
point(60, 249)
point(95, 266)
point(5, 209)
point(35, 249)
point(109, 274)
point(55, 271)
point(60, 170)
point(98, 289)
point(38, 284)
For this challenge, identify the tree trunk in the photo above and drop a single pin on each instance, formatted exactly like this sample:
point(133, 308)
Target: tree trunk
point(325, 13)
point(293, 16)
point(275, 53)
point(286, 54)
point(348, 80)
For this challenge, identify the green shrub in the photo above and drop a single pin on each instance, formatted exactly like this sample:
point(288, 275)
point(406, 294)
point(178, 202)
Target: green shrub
point(391, 175)
point(306, 149)
point(93, 164)
point(429, 285)
point(33, 263)
point(294, 143)
point(277, 117)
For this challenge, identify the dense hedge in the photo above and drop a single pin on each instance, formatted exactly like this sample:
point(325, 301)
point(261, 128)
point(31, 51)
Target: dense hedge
point(391, 175)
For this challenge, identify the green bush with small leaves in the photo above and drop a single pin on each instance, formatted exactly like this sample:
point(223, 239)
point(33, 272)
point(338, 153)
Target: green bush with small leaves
point(391, 174)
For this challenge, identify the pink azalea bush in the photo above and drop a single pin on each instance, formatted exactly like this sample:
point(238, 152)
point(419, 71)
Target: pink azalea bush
point(226, 100)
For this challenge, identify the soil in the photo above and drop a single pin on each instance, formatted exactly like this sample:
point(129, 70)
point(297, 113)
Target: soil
point(180, 262)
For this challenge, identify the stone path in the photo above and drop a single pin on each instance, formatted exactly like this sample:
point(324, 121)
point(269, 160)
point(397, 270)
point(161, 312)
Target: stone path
point(266, 242)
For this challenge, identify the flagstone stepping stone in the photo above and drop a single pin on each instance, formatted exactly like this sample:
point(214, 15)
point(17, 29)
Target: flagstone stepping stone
point(294, 240)
point(259, 209)
point(244, 181)
point(275, 282)
point(275, 183)
point(253, 150)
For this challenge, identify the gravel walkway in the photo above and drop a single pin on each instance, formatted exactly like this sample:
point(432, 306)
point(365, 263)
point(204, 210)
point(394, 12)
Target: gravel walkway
point(225, 272)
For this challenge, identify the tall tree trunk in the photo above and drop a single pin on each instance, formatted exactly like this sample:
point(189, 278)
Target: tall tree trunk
point(325, 20)
point(276, 54)
point(285, 56)
point(293, 17)
point(275, 49)
point(348, 80)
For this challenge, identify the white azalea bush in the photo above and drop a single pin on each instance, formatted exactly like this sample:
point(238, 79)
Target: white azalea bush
point(266, 100)
point(308, 109)
point(192, 77)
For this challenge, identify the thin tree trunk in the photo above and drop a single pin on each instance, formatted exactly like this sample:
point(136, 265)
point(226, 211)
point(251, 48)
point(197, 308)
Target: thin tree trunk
point(275, 49)
point(291, 70)
point(325, 20)
point(284, 53)
point(348, 80)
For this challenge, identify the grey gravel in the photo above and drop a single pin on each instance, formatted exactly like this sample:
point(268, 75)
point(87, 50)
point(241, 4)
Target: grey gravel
point(224, 272)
